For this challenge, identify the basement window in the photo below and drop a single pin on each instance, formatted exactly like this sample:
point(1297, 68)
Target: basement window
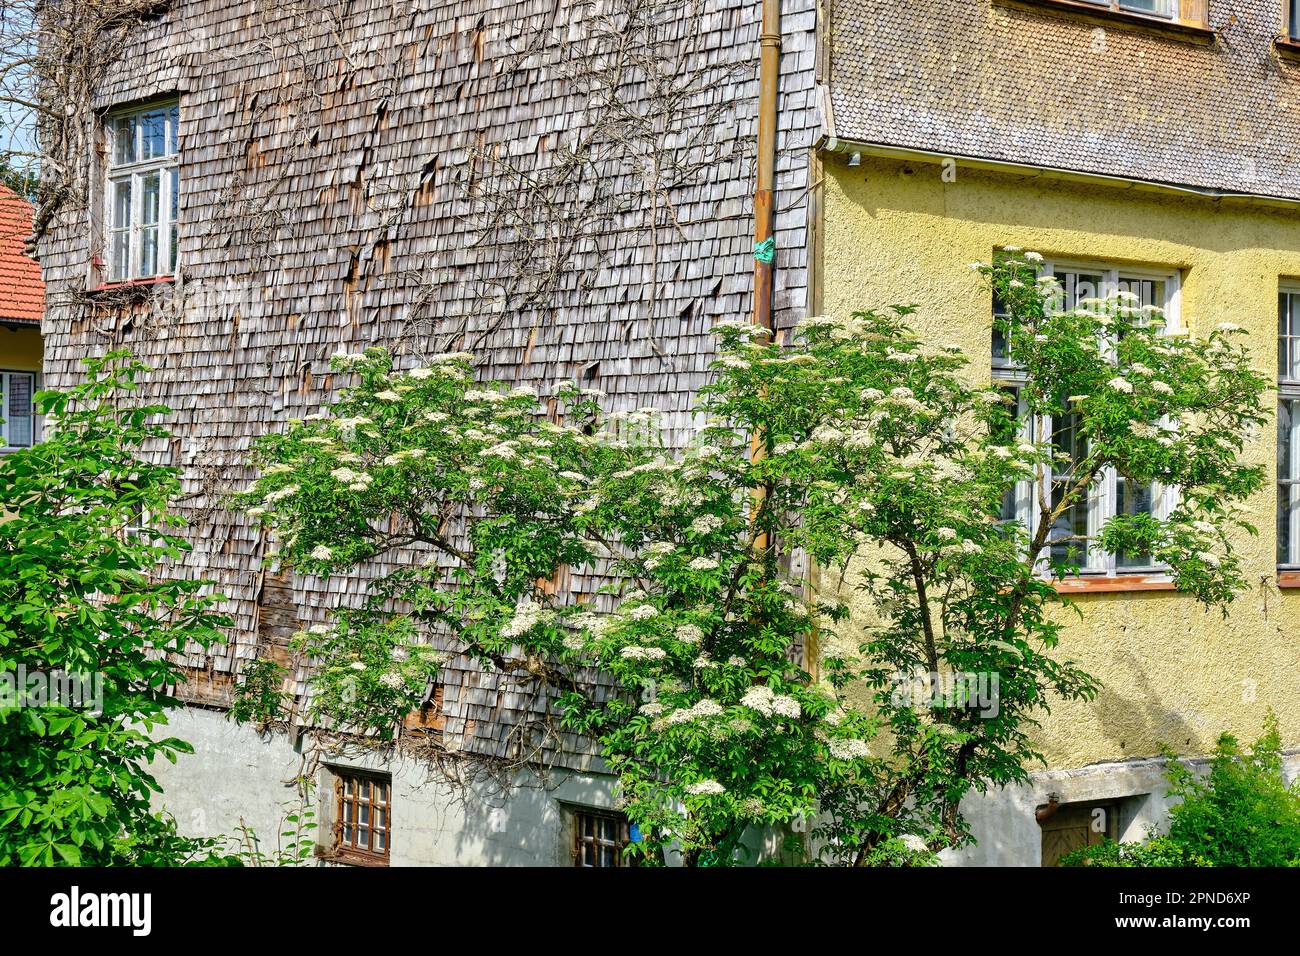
point(141, 193)
point(19, 426)
point(363, 818)
point(599, 838)
point(1072, 540)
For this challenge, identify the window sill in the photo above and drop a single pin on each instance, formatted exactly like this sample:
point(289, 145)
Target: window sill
point(133, 284)
point(350, 859)
point(1288, 579)
point(1287, 48)
point(1079, 9)
point(1112, 584)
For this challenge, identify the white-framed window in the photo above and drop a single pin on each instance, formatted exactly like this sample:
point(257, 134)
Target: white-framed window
point(1288, 426)
point(1154, 8)
point(141, 192)
point(1073, 537)
point(21, 427)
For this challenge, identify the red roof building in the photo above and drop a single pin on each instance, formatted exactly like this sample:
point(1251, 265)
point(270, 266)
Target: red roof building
point(22, 293)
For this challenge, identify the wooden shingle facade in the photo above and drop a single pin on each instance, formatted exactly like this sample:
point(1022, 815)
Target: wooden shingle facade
point(563, 187)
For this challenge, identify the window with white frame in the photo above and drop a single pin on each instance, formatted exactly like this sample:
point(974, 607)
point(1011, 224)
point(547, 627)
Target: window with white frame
point(1072, 540)
point(141, 193)
point(19, 426)
point(1157, 8)
point(1288, 427)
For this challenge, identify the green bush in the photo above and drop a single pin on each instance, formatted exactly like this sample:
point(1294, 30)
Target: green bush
point(1241, 813)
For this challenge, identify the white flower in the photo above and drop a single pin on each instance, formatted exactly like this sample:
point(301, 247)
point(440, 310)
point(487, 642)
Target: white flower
point(1229, 327)
point(319, 629)
point(946, 534)
point(763, 699)
point(652, 709)
point(706, 523)
point(850, 749)
point(321, 553)
point(391, 681)
point(643, 653)
point(700, 709)
point(1120, 384)
point(255, 512)
point(358, 666)
point(1033, 257)
point(387, 395)
point(420, 373)
point(703, 564)
point(643, 612)
point(1076, 398)
point(689, 634)
point(1164, 388)
point(706, 788)
point(1211, 559)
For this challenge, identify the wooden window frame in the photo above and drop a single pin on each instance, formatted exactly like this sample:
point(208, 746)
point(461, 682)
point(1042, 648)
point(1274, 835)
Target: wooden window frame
point(1100, 570)
point(1193, 27)
point(351, 853)
point(581, 840)
point(5, 376)
point(133, 172)
point(1288, 473)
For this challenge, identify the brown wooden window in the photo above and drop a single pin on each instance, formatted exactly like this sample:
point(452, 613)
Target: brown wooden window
point(363, 818)
point(599, 839)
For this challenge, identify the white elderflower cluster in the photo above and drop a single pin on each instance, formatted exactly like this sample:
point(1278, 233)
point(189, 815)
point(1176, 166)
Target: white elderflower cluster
point(703, 564)
point(1121, 384)
point(643, 612)
point(689, 634)
point(763, 699)
point(705, 524)
point(848, 749)
point(285, 492)
point(701, 709)
point(635, 653)
point(527, 616)
point(321, 553)
point(392, 680)
point(705, 788)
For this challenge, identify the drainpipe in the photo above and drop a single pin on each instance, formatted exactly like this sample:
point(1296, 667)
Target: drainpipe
point(769, 69)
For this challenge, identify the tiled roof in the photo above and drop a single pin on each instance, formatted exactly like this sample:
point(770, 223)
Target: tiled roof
point(1009, 82)
point(22, 293)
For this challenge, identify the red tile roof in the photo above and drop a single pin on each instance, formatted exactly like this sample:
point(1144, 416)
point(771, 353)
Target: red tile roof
point(22, 293)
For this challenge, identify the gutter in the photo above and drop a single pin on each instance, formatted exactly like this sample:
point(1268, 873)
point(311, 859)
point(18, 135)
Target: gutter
point(833, 144)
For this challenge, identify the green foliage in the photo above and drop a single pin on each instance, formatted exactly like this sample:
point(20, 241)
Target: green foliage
point(260, 698)
point(879, 455)
point(1157, 851)
point(1240, 813)
point(81, 593)
point(295, 844)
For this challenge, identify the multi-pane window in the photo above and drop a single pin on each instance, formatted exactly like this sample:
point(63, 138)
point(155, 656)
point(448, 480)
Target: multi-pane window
point(599, 838)
point(1293, 19)
point(363, 818)
point(142, 193)
point(1288, 427)
point(17, 410)
point(1075, 529)
point(1155, 8)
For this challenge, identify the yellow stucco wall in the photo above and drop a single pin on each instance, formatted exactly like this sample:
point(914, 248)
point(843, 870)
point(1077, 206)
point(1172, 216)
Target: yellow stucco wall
point(1172, 674)
point(20, 349)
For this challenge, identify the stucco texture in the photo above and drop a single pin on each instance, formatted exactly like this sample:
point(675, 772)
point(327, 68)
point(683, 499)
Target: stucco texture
point(1173, 674)
point(20, 349)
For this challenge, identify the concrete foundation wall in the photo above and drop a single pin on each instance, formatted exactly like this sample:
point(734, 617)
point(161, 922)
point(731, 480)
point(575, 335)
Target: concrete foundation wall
point(236, 775)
